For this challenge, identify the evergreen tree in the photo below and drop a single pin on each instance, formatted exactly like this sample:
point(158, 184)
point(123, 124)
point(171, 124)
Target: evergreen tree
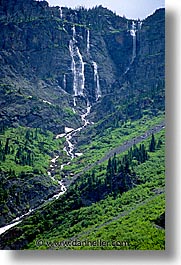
point(89, 180)
point(126, 168)
point(114, 164)
point(7, 148)
point(109, 174)
point(159, 143)
point(2, 127)
point(152, 144)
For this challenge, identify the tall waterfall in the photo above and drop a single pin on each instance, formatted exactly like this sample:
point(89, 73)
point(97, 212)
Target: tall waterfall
point(133, 34)
point(77, 66)
point(88, 41)
point(96, 81)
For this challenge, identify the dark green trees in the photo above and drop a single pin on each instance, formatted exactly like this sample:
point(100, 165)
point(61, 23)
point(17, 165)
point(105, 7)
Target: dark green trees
point(4, 150)
point(152, 144)
point(24, 157)
point(118, 178)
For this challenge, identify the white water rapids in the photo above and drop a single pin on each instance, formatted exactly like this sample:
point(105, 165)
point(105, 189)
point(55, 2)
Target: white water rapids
point(70, 132)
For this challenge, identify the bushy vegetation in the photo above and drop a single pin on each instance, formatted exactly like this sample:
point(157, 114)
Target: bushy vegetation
point(25, 155)
point(26, 150)
point(133, 211)
point(95, 142)
point(117, 177)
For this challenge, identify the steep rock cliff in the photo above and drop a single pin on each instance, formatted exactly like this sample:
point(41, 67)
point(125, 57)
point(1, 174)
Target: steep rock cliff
point(36, 58)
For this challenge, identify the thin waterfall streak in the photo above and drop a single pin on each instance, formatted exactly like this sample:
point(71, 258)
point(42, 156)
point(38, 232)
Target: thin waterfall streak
point(61, 13)
point(74, 34)
point(88, 41)
point(133, 30)
point(80, 72)
point(73, 68)
point(140, 23)
point(75, 104)
point(64, 82)
point(98, 93)
point(134, 47)
point(133, 34)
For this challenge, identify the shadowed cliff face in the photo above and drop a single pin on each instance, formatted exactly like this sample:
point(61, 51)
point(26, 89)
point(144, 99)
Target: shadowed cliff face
point(109, 55)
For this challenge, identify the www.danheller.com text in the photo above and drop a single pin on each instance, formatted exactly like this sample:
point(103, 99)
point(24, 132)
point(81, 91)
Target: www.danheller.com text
point(79, 243)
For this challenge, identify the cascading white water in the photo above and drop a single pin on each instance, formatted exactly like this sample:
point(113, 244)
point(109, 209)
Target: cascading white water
point(133, 34)
point(69, 149)
point(74, 34)
point(7, 227)
point(75, 104)
point(61, 13)
point(77, 66)
point(73, 68)
point(70, 133)
point(16, 221)
point(53, 165)
point(88, 41)
point(80, 73)
point(140, 23)
point(96, 81)
point(19, 219)
point(96, 75)
point(83, 116)
point(133, 31)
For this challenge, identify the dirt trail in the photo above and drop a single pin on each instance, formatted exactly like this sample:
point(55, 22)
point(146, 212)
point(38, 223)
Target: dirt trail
point(122, 214)
point(120, 149)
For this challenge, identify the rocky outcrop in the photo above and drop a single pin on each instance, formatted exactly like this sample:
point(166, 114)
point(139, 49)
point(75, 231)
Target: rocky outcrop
point(148, 69)
point(18, 10)
point(20, 194)
point(35, 59)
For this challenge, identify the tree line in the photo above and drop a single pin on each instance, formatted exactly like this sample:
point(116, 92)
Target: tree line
point(22, 155)
point(119, 176)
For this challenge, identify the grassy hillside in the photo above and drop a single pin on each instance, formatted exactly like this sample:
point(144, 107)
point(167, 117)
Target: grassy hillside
point(131, 217)
point(25, 156)
point(27, 150)
point(94, 142)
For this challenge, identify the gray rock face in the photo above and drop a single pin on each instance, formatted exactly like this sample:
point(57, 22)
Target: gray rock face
point(36, 60)
point(24, 193)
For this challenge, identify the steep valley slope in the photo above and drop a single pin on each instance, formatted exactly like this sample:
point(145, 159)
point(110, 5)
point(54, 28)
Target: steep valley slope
point(75, 84)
